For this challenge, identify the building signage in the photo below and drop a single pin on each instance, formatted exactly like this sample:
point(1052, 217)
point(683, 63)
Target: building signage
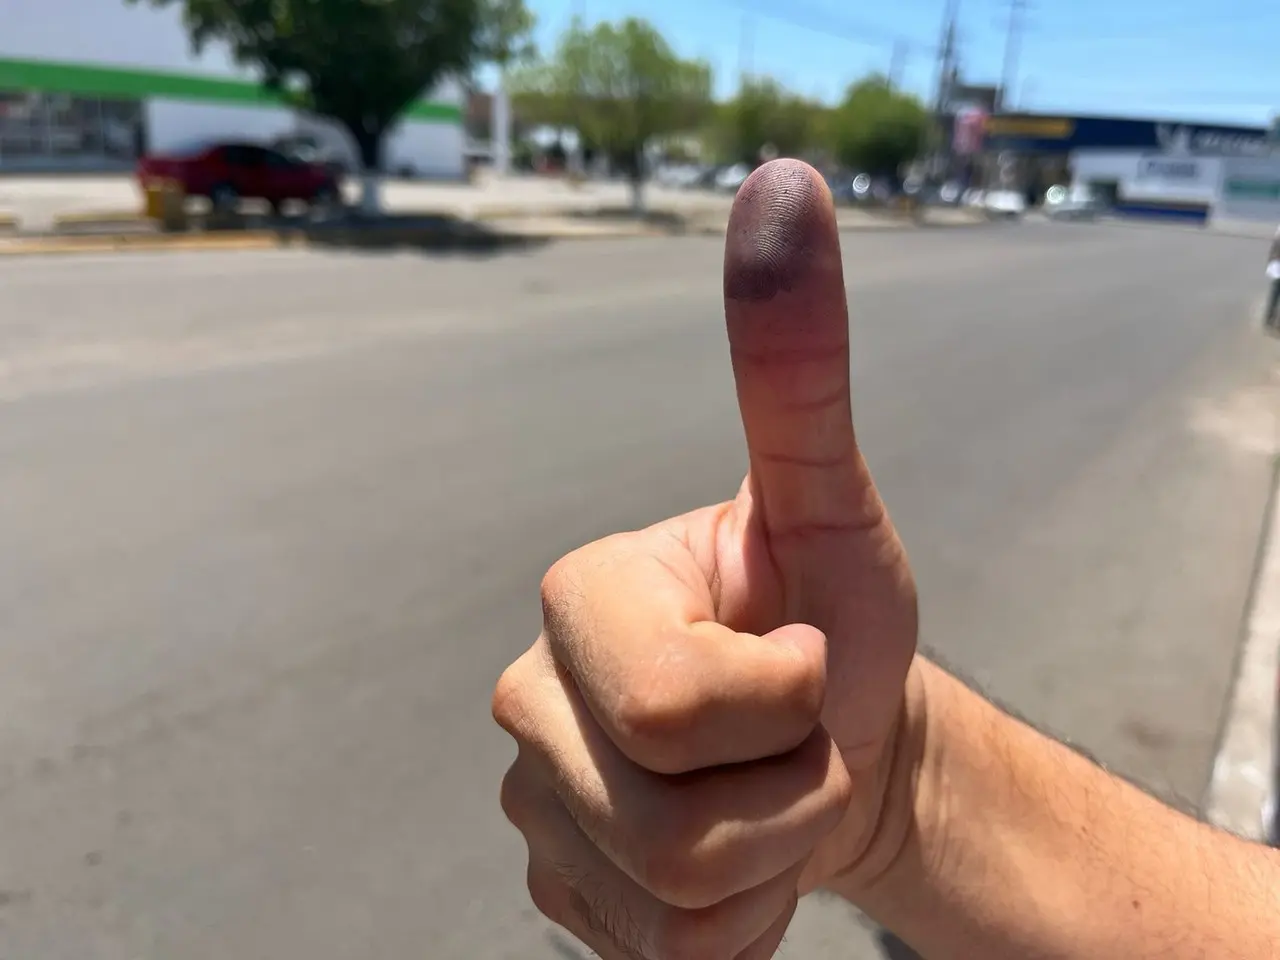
point(1184, 139)
point(1039, 128)
point(1029, 133)
point(1168, 168)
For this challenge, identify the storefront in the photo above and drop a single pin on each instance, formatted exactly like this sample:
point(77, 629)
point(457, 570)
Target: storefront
point(91, 84)
point(1250, 190)
point(1144, 167)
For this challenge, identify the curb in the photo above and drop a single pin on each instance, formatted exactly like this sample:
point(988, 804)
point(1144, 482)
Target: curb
point(519, 228)
point(90, 218)
point(1242, 794)
point(119, 243)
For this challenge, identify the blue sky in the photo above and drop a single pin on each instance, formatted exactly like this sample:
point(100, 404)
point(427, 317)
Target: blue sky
point(1177, 58)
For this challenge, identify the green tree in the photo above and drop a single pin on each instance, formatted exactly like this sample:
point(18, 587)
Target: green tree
point(765, 114)
point(876, 129)
point(621, 86)
point(361, 63)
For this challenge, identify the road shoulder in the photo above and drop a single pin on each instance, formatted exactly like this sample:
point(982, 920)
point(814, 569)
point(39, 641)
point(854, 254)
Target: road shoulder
point(1242, 789)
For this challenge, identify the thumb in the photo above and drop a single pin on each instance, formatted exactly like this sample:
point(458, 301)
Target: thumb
point(789, 341)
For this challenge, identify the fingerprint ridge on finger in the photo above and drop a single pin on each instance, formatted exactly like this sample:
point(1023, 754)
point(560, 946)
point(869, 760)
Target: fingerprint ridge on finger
point(779, 219)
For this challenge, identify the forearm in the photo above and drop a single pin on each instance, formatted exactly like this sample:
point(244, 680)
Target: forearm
point(1017, 847)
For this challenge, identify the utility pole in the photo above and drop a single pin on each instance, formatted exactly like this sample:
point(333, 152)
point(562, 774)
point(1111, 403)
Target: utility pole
point(897, 61)
point(1012, 47)
point(946, 56)
point(943, 92)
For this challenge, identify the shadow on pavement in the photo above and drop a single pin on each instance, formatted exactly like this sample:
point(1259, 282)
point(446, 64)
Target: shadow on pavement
point(433, 235)
point(667, 220)
point(895, 949)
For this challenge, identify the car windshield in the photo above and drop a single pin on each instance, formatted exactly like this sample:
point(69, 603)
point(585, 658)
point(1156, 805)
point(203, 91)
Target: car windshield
point(189, 148)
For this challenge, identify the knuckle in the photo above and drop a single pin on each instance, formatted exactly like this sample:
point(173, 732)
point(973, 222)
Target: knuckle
point(561, 590)
point(800, 690)
point(515, 700)
point(680, 875)
point(515, 796)
point(508, 703)
point(655, 710)
point(544, 890)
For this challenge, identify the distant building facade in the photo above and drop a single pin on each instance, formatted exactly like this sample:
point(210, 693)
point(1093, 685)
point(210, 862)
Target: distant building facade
point(91, 84)
point(1185, 170)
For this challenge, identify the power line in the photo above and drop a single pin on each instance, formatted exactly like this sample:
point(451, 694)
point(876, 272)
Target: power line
point(818, 20)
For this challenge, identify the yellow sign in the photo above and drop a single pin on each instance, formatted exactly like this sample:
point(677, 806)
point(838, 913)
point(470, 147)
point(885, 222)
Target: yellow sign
point(1039, 128)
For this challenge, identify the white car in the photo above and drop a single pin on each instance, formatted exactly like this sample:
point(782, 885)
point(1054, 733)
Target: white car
point(1072, 203)
point(678, 176)
point(731, 178)
point(1005, 203)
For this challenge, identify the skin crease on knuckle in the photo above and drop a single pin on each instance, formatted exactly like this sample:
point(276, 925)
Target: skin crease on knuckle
point(692, 840)
point(670, 698)
point(680, 710)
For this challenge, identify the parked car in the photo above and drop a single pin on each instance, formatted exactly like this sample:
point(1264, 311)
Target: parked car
point(731, 178)
point(1072, 203)
point(309, 149)
point(225, 173)
point(678, 176)
point(950, 193)
point(840, 183)
point(1007, 204)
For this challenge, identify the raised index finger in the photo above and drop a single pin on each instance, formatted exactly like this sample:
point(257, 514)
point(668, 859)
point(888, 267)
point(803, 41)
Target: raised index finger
point(788, 330)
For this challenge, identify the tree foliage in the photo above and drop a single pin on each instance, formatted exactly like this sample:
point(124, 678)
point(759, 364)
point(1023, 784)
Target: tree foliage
point(620, 85)
point(361, 63)
point(877, 129)
point(764, 113)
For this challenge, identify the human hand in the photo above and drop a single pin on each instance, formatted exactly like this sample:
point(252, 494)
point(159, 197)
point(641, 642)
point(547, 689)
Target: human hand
point(707, 723)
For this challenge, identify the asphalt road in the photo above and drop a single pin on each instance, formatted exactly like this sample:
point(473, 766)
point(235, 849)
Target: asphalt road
point(272, 525)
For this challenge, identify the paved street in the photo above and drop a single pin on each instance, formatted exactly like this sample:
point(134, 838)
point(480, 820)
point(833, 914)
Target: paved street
point(274, 523)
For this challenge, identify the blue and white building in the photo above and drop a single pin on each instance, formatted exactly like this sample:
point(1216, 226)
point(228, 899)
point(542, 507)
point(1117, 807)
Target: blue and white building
point(1191, 171)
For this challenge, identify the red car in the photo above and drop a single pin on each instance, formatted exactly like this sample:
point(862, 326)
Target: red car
point(227, 172)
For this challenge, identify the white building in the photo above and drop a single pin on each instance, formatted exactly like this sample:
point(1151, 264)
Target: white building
point(1228, 177)
point(88, 84)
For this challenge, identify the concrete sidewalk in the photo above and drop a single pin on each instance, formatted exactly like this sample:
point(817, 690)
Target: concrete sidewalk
point(1242, 793)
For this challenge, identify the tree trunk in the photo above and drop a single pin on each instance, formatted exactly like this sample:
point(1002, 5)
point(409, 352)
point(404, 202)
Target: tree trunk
point(637, 181)
point(637, 194)
point(368, 138)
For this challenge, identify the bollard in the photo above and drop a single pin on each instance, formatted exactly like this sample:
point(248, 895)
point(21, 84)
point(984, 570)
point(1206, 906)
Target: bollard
point(166, 204)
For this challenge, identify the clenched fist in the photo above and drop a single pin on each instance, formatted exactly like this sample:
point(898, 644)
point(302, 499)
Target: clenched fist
point(707, 723)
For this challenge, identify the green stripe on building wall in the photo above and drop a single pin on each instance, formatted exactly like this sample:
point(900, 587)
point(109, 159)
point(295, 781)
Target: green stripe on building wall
point(125, 83)
point(1253, 189)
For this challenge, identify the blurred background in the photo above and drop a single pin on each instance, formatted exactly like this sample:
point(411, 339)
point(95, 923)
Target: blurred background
point(326, 326)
